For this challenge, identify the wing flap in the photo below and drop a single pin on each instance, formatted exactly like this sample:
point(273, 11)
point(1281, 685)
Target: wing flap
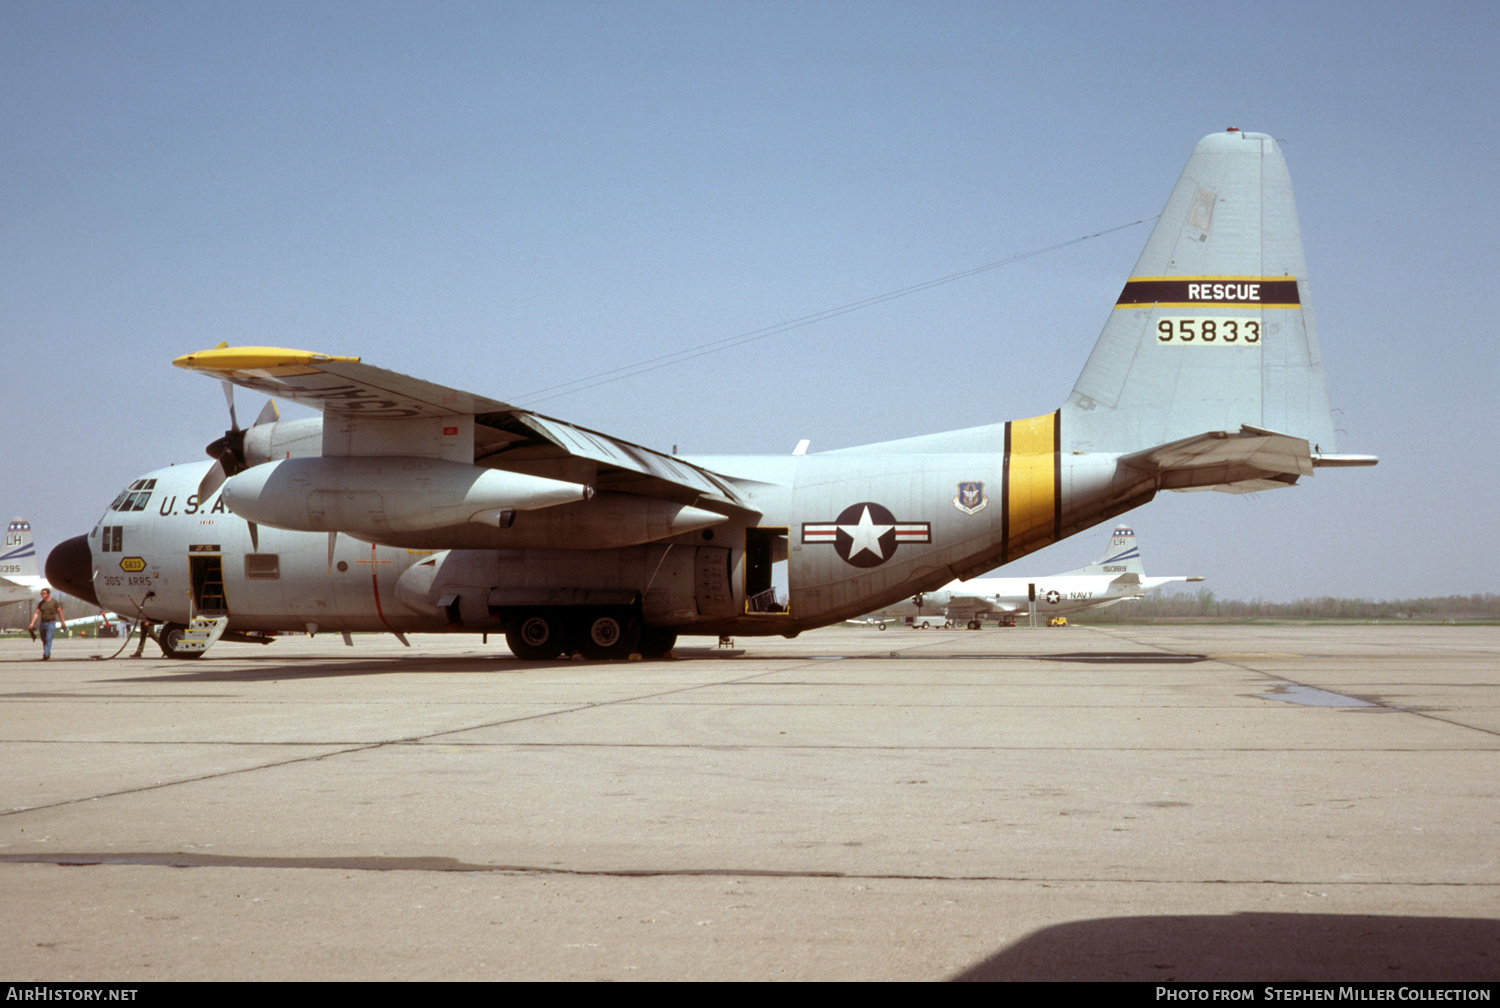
point(621, 456)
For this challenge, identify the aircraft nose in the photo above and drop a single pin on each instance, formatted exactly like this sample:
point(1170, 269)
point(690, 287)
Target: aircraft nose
point(70, 568)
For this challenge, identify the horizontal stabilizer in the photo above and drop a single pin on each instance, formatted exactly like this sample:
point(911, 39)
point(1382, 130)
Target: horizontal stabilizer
point(1253, 459)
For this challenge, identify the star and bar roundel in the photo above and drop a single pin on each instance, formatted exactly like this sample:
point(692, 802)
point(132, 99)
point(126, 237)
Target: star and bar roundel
point(866, 534)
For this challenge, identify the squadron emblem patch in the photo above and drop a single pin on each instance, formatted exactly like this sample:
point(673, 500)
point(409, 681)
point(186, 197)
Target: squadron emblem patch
point(866, 534)
point(971, 498)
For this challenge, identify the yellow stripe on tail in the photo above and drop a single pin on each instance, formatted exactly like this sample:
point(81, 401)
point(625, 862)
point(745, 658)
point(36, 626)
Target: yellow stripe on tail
point(1032, 491)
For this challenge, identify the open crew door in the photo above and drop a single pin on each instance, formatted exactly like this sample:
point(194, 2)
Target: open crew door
point(207, 571)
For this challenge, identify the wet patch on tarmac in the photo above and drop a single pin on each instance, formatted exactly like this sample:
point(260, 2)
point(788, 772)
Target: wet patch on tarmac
point(1311, 696)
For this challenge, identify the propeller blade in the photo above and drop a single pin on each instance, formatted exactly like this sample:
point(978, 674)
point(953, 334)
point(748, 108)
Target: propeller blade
point(268, 414)
point(211, 481)
point(234, 424)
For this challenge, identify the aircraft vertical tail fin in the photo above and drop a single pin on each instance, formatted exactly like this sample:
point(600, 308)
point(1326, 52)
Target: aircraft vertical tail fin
point(18, 556)
point(1122, 556)
point(1212, 331)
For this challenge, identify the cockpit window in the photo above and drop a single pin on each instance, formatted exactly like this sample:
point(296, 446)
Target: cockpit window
point(135, 496)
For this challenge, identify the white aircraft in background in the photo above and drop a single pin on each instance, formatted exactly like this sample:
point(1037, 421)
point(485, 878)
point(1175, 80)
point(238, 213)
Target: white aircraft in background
point(20, 580)
point(104, 620)
point(1116, 576)
point(409, 506)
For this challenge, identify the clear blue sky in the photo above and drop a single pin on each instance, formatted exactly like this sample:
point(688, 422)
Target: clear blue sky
point(503, 197)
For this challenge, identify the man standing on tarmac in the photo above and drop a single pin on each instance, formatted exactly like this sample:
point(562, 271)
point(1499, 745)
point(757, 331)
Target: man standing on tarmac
point(50, 614)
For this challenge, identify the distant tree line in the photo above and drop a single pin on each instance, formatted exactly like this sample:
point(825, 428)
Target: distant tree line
point(1201, 604)
point(1204, 604)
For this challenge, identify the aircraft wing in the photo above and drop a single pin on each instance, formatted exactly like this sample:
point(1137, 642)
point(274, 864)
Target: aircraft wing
point(23, 590)
point(103, 617)
point(371, 411)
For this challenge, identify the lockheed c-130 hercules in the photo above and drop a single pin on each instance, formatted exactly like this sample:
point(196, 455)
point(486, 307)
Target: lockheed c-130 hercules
point(412, 507)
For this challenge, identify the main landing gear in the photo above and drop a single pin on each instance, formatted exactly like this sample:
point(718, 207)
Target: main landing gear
point(597, 633)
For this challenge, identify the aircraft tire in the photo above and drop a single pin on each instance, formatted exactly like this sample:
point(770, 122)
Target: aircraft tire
point(656, 642)
point(602, 635)
point(537, 636)
point(169, 636)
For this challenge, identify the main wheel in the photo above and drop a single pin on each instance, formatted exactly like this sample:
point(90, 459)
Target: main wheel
point(170, 638)
point(537, 636)
point(604, 636)
point(656, 643)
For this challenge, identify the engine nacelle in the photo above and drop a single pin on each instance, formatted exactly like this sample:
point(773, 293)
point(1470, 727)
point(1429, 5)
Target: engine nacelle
point(378, 496)
point(299, 437)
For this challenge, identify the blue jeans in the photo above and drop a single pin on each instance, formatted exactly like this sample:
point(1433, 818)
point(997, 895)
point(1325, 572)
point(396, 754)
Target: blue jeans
point(49, 627)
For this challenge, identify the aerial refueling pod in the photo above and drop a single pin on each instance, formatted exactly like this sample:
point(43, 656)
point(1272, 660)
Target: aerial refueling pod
point(378, 496)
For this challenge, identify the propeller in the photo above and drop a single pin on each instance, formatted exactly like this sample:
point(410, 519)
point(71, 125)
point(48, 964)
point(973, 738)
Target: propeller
point(228, 452)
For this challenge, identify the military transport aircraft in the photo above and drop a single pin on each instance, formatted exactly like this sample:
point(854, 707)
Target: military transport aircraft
point(19, 577)
point(1116, 576)
point(413, 507)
